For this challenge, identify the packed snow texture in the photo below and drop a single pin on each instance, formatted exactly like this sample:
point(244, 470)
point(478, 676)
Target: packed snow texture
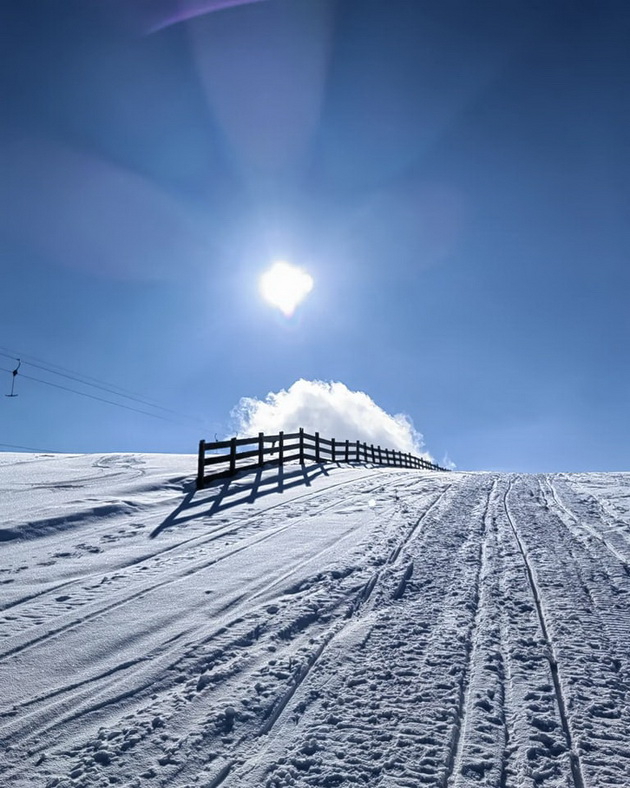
point(317, 626)
point(333, 410)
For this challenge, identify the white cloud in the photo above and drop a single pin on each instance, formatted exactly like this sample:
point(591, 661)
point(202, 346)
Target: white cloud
point(333, 410)
point(448, 463)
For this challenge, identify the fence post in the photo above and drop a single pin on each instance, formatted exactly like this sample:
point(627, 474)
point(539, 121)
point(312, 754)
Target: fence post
point(332, 450)
point(347, 450)
point(201, 464)
point(386, 456)
point(233, 456)
point(301, 444)
point(358, 451)
point(261, 449)
point(317, 458)
point(380, 455)
point(281, 448)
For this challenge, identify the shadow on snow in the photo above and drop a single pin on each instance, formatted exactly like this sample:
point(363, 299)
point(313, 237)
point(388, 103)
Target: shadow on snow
point(226, 494)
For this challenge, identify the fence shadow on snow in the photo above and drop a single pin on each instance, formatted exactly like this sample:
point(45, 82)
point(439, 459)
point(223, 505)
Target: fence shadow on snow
point(235, 492)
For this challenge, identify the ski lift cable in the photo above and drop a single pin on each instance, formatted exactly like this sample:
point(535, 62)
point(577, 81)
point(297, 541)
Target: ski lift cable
point(84, 380)
point(93, 396)
point(56, 369)
point(110, 390)
point(28, 448)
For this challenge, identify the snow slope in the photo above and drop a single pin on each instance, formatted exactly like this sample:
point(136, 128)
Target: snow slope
point(329, 626)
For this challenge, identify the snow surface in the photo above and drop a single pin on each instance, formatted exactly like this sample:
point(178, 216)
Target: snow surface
point(330, 626)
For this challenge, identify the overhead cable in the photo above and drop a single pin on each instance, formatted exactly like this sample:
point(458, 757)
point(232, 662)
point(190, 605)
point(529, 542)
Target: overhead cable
point(95, 383)
point(28, 448)
point(92, 396)
point(58, 369)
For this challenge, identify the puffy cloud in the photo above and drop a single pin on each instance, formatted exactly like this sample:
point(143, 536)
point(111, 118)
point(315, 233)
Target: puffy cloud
point(448, 463)
point(333, 410)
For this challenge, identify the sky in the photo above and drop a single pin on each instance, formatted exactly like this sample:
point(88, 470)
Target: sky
point(454, 177)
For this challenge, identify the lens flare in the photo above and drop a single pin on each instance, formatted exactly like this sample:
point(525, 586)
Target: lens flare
point(169, 12)
point(285, 286)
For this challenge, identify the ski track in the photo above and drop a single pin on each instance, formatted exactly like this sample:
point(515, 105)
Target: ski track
point(52, 716)
point(379, 734)
point(589, 631)
point(561, 725)
point(386, 628)
point(155, 564)
point(480, 733)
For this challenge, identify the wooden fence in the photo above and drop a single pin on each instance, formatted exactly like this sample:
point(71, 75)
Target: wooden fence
point(266, 450)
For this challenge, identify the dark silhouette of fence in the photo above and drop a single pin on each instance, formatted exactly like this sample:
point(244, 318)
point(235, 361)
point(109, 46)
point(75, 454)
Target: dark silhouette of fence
point(290, 447)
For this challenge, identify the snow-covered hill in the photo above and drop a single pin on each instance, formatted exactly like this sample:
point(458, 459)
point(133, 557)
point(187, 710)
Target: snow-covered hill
point(332, 626)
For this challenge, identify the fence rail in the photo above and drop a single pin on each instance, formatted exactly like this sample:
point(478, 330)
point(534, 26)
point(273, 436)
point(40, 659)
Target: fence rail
point(295, 446)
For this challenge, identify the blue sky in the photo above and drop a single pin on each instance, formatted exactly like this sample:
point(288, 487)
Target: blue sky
point(455, 177)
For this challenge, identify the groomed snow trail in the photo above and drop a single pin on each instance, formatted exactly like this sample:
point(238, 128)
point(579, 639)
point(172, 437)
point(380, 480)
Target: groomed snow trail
point(328, 626)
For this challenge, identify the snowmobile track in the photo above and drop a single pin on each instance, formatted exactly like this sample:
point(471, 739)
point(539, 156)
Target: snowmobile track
point(574, 759)
point(459, 762)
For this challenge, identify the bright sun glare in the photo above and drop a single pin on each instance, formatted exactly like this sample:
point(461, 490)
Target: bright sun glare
point(284, 286)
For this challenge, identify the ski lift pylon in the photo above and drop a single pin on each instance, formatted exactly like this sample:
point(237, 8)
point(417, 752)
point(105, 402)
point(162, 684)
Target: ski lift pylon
point(13, 377)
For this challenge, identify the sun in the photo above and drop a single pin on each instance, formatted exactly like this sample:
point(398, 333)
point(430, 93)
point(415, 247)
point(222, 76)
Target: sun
point(285, 286)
